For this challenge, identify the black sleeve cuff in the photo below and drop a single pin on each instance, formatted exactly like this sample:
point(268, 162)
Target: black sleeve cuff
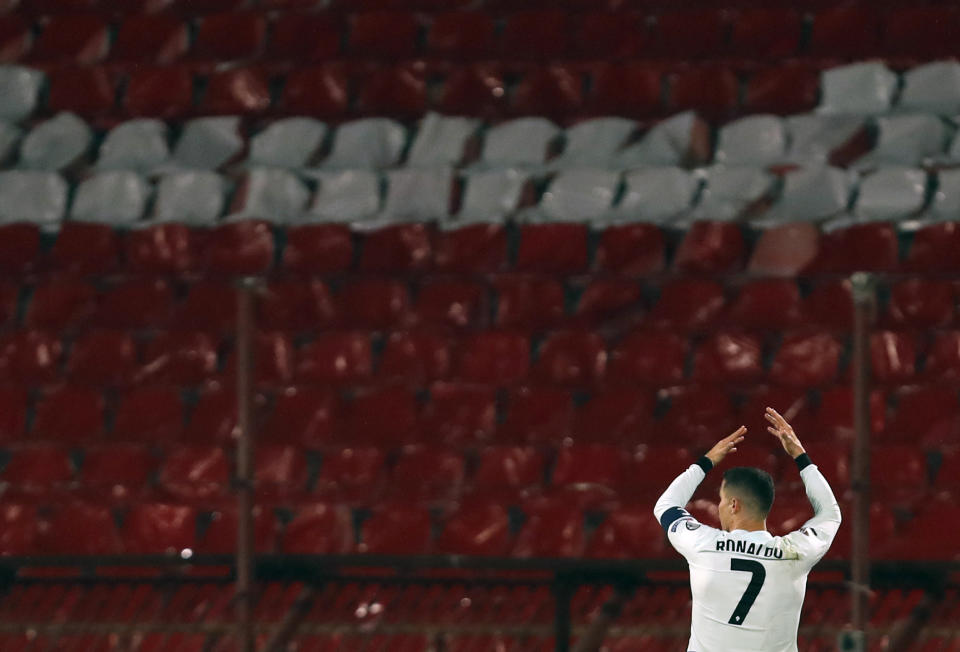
point(803, 461)
point(705, 464)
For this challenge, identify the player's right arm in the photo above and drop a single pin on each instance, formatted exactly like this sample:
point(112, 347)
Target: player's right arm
point(811, 541)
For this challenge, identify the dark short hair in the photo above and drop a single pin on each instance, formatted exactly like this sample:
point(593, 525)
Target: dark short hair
point(754, 485)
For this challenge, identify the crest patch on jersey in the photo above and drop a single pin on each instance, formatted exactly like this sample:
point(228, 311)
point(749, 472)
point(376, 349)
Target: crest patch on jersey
point(691, 524)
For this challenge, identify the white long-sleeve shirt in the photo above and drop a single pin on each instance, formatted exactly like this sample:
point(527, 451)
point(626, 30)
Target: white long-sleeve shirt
point(747, 587)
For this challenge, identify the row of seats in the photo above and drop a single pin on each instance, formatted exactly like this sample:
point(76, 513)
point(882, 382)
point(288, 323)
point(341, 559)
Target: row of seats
point(831, 32)
point(361, 475)
point(549, 527)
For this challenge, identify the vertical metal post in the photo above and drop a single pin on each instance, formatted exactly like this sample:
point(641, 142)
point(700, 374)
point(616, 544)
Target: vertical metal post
point(244, 450)
point(562, 595)
point(864, 302)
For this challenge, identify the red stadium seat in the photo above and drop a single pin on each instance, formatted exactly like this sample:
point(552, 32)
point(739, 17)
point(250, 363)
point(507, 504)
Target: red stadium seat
point(864, 247)
point(610, 300)
point(303, 415)
point(599, 464)
point(729, 357)
point(80, 528)
point(697, 414)
point(352, 475)
point(710, 90)
point(415, 357)
point(220, 537)
point(157, 528)
point(552, 529)
point(792, 402)
point(159, 92)
point(136, 304)
point(230, 36)
point(272, 359)
point(279, 470)
point(30, 357)
point(921, 303)
point(397, 249)
point(384, 34)
point(18, 534)
point(830, 305)
point(19, 247)
point(893, 357)
point(921, 31)
point(925, 414)
point(711, 248)
point(536, 34)
point(89, 92)
point(321, 92)
point(618, 416)
point(238, 248)
point(79, 38)
point(395, 90)
point(385, 416)
point(555, 91)
point(481, 529)
point(528, 302)
point(149, 414)
point(806, 360)
point(461, 34)
point(452, 303)
point(15, 38)
point(768, 304)
point(432, 474)
point(459, 415)
point(238, 91)
point(476, 248)
point(396, 529)
point(157, 38)
point(610, 35)
point(898, 472)
point(209, 306)
point(305, 37)
point(845, 31)
point(69, 414)
point(473, 90)
point(60, 304)
point(933, 248)
point(13, 413)
point(652, 468)
point(318, 248)
point(102, 357)
point(38, 468)
point(178, 359)
point(571, 358)
point(116, 471)
point(159, 249)
point(508, 469)
point(917, 544)
point(833, 420)
point(214, 417)
point(537, 415)
point(631, 249)
point(376, 304)
point(948, 474)
point(629, 533)
point(195, 474)
point(688, 305)
point(767, 32)
point(653, 357)
point(83, 248)
point(691, 34)
point(295, 305)
point(943, 357)
point(494, 357)
point(786, 89)
point(319, 529)
point(552, 248)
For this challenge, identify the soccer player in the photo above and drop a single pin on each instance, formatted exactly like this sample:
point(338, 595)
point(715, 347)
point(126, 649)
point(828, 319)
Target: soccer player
point(747, 585)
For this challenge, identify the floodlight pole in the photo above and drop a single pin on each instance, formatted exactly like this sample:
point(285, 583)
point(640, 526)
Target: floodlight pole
point(244, 469)
point(864, 306)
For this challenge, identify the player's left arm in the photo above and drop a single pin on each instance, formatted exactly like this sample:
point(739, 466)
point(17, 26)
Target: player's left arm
point(670, 506)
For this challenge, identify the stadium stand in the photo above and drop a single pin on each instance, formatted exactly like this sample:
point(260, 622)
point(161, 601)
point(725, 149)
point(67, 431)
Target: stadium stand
point(518, 267)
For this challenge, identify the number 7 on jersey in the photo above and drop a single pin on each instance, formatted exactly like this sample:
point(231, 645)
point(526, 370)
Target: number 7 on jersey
point(758, 575)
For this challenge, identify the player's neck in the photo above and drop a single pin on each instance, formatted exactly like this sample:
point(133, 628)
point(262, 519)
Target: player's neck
point(749, 525)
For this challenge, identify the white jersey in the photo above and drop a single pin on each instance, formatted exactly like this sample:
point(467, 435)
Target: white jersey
point(747, 587)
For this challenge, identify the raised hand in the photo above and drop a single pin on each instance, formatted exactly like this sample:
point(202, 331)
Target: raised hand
point(784, 432)
point(726, 446)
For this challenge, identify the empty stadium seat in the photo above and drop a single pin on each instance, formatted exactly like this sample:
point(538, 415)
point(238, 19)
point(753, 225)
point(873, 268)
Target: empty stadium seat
point(621, 416)
point(69, 414)
point(302, 415)
point(280, 471)
point(376, 304)
point(80, 528)
point(305, 36)
point(571, 358)
point(220, 536)
point(417, 357)
point(336, 357)
point(473, 248)
point(38, 469)
point(494, 357)
point(537, 415)
point(430, 474)
point(552, 529)
point(396, 529)
point(116, 471)
point(352, 475)
point(19, 533)
point(600, 464)
point(320, 528)
point(214, 417)
point(30, 357)
point(629, 533)
point(688, 305)
point(160, 92)
point(149, 414)
point(729, 357)
point(481, 529)
point(459, 415)
point(159, 528)
point(102, 357)
point(806, 360)
point(77, 38)
point(385, 416)
point(230, 36)
point(194, 474)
